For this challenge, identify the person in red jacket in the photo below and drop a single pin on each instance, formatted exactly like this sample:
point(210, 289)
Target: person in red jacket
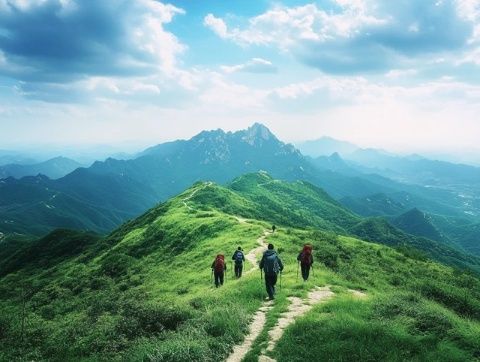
point(219, 267)
point(305, 258)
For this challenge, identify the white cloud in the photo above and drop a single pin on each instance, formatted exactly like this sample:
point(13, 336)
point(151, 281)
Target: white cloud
point(254, 65)
point(400, 73)
point(360, 35)
point(217, 25)
point(283, 26)
point(150, 36)
point(421, 117)
point(90, 39)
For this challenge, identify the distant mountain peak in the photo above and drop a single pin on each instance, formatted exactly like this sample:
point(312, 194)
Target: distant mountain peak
point(258, 132)
point(336, 157)
point(417, 222)
point(211, 134)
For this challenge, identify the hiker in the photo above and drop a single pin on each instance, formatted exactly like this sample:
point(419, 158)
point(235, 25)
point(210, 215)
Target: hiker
point(271, 265)
point(274, 228)
point(305, 258)
point(219, 267)
point(239, 258)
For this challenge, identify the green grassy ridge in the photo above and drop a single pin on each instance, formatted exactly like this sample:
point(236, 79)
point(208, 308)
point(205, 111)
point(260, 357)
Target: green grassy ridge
point(380, 231)
point(348, 329)
point(297, 203)
point(54, 248)
point(303, 205)
point(416, 316)
point(144, 292)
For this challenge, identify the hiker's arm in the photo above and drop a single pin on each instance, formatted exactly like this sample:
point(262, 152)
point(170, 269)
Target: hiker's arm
point(234, 255)
point(262, 262)
point(213, 264)
point(299, 257)
point(280, 264)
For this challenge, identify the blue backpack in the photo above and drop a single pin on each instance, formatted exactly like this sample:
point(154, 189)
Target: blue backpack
point(239, 257)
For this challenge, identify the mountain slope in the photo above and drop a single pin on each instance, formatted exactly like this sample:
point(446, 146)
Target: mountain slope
point(144, 292)
point(373, 205)
point(53, 168)
point(299, 204)
point(417, 223)
point(127, 188)
point(417, 170)
point(101, 197)
point(36, 205)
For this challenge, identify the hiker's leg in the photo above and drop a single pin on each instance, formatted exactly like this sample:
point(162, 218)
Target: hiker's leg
point(221, 275)
point(217, 279)
point(237, 271)
point(304, 272)
point(269, 286)
point(307, 271)
point(240, 270)
point(274, 281)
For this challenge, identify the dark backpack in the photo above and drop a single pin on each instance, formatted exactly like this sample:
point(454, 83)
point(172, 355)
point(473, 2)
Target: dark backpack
point(270, 264)
point(219, 265)
point(306, 258)
point(239, 257)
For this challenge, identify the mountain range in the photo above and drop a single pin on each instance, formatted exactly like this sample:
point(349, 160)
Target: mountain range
point(144, 292)
point(101, 197)
point(54, 168)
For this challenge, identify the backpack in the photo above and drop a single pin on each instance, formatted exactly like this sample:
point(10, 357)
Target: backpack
point(219, 265)
point(271, 264)
point(306, 257)
point(238, 257)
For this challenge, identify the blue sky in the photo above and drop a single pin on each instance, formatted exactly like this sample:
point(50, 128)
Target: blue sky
point(402, 75)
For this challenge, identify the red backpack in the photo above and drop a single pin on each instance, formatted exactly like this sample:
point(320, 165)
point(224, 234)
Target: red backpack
point(307, 254)
point(219, 266)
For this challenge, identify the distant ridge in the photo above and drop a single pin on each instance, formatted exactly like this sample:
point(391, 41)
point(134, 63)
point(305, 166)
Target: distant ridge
point(54, 168)
point(325, 146)
point(418, 223)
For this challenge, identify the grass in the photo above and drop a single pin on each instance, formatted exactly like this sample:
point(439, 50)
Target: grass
point(145, 294)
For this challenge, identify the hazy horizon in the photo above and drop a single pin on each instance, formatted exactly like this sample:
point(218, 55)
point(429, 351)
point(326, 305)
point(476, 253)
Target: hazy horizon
point(88, 153)
point(398, 76)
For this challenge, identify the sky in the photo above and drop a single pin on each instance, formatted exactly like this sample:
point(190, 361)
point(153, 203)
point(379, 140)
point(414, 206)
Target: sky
point(400, 75)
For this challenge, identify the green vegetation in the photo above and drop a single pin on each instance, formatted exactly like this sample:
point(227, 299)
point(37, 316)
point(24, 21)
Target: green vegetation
point(417, 223)
point(144, 292)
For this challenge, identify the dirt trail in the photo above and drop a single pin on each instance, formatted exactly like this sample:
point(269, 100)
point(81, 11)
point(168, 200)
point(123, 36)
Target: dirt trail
point(241, 220)
point(255, 328)
point(205, 185)
point(252, 255)
point(262, 245)
point(260, 318)
point(357, 293)
point(297, 308)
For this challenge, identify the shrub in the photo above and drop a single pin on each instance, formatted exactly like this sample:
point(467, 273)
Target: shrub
point(226, 321)
point(180, 349)
point(150, 319)
point(461, 301)
point(116, 264)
